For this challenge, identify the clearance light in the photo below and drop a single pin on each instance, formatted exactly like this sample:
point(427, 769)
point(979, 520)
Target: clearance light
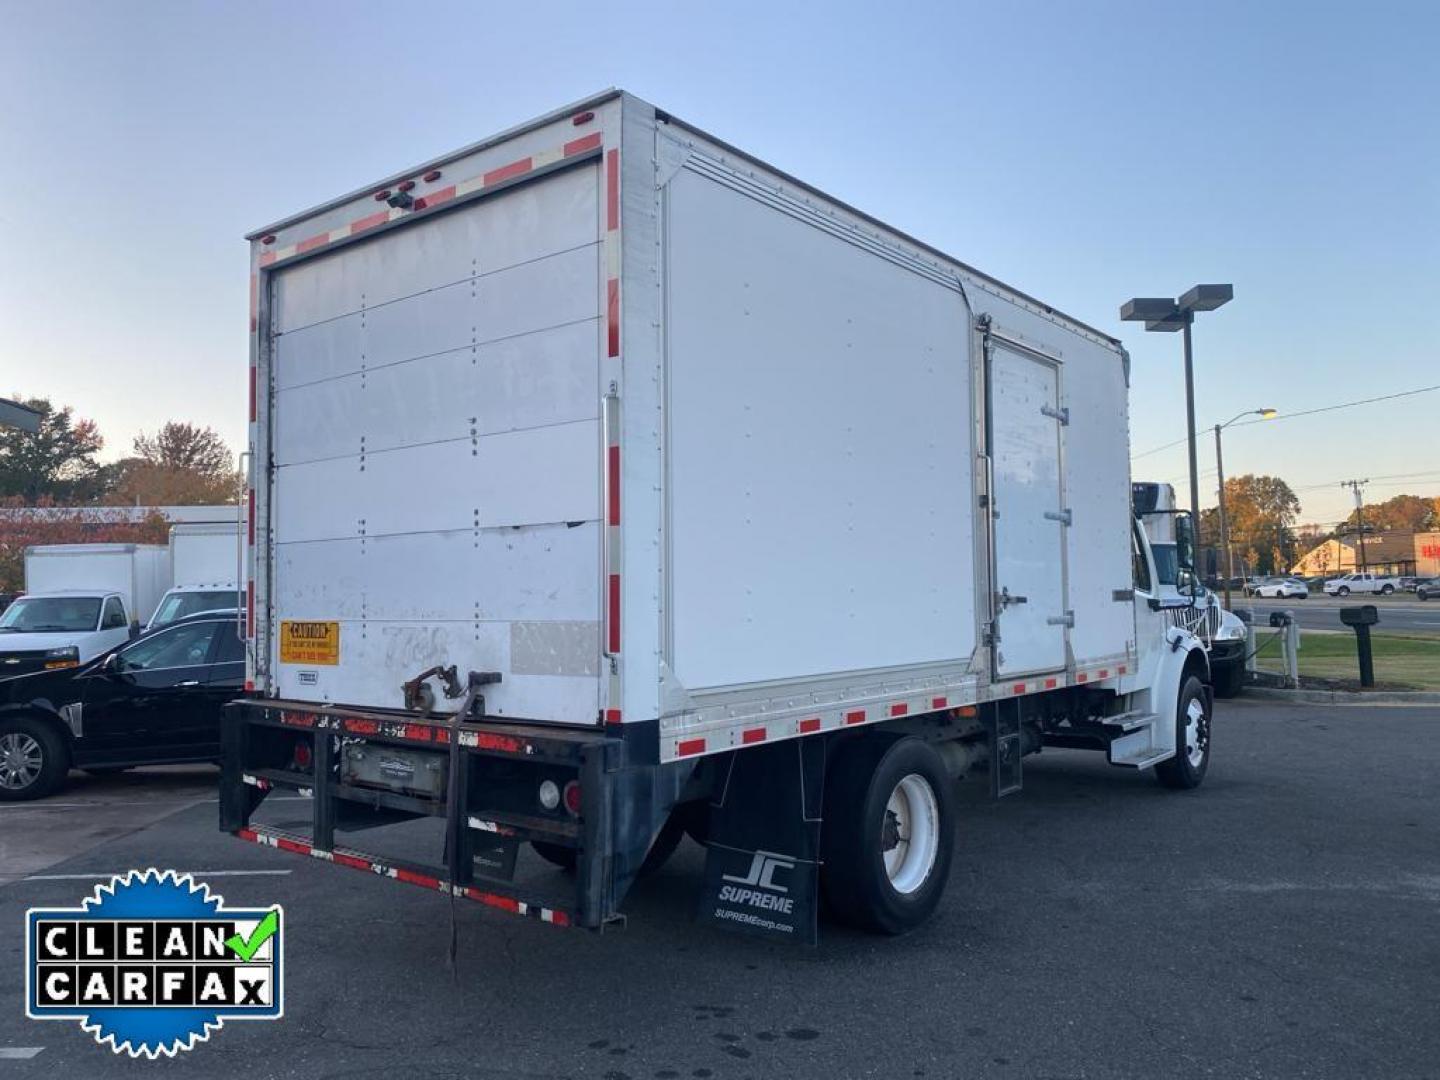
point(405, 185)
point(582, 118)
point(381, 196)
point(431, 176)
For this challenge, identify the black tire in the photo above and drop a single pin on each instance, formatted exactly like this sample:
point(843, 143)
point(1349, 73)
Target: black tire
point(858, 824)
point(1228, 679)
point(1181, 772)
point(1343, 590)
point(661, 848)
point(1386, 590)
point(33, 759)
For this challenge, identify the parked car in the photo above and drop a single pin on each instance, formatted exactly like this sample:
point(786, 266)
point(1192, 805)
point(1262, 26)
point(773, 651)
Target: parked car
point(1287, 588)
point(1251, 584)
point(1361, 583)
point(1409, 584)
point(1428, 589)
point(153, 700)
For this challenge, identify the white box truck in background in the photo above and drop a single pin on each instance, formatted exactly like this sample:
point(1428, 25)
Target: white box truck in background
point(1222, 632)
point(80, 600)
point(204, 571)
point(609, 484)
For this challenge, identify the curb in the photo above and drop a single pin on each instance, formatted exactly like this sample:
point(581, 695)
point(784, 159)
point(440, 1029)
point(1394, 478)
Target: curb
point(1344, 697)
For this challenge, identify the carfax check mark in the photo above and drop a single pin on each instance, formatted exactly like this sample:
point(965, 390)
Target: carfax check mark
point(246, 948)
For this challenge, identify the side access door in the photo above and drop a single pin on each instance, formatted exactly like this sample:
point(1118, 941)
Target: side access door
point(1024, 423)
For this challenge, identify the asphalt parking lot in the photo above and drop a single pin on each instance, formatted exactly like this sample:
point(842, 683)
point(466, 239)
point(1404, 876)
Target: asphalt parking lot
point(1284, 920)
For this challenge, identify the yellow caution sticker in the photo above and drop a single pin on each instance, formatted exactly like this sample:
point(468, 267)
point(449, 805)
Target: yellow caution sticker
point(309, 642)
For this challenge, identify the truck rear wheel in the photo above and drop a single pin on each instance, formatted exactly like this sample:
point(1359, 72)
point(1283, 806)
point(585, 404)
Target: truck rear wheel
point(888, 833)
point(1187, 768)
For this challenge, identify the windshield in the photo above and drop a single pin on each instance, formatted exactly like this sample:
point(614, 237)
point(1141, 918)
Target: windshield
point(51, 614)
point(178, 605)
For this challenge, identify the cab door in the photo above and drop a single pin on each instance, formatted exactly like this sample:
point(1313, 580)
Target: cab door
point(1029, 605)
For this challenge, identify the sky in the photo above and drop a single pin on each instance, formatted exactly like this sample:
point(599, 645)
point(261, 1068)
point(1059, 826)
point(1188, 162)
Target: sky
point(1083, 152)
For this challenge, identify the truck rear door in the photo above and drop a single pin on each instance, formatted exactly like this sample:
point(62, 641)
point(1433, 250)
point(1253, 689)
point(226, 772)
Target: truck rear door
point(436, 456)
point(1027, 511)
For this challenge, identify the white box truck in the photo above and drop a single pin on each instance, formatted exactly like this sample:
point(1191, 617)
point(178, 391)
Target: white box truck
point(204, 571)
point(80, 600)
point(610, 484)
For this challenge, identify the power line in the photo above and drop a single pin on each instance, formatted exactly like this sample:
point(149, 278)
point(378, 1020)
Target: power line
point(1296, 415)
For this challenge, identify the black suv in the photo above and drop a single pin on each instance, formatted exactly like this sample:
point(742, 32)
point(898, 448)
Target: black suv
point(155, 700)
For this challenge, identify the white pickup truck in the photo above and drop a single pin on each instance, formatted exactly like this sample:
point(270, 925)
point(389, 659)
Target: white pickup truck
point(1383, 584)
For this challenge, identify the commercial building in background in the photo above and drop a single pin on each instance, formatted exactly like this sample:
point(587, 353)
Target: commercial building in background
point(1427, 554)
point(1395, 551)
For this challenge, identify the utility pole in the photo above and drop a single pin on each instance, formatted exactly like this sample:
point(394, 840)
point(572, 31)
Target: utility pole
point(1355, 486)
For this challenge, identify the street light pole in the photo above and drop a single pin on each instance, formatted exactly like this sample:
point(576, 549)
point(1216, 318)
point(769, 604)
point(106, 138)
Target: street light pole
point(1190, 433)
point(1264, 414)
point(1224, 521)
point(1166, 314)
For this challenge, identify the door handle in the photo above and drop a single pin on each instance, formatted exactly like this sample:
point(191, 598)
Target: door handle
point(1004, 599)
point(187, 683)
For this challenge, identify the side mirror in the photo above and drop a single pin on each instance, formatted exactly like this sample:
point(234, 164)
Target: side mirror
point(111, 664)
point(1185, 552)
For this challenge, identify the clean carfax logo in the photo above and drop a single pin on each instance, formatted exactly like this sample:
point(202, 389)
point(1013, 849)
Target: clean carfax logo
point(152, 963)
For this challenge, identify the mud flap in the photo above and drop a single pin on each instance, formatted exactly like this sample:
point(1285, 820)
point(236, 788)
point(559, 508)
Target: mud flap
point(763, 864)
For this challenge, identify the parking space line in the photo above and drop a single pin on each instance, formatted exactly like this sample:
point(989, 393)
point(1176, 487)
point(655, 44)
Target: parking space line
point(18, 1053)
point(192, 873)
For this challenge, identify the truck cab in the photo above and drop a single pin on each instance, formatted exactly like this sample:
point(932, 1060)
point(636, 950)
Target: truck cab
point(44, 631)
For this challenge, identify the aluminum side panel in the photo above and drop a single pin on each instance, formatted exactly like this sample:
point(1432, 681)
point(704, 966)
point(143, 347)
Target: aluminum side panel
point(820, 480)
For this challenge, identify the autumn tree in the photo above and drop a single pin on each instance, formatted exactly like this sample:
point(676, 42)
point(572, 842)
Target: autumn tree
point(1261, 512)
point(178, 445)
point(56, 462)
point(180, 465)
point(1409, 513)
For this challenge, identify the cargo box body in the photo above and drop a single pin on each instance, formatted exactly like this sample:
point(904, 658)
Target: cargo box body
point(663, 436)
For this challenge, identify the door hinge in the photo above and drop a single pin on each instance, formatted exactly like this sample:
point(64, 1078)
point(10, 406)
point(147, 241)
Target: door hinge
point(1062, 516)
point(1062, 414)
point(1003, 599)
point(1066, 620)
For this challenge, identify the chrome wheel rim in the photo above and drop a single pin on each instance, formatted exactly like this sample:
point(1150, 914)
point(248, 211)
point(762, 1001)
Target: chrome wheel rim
point(21, 760)
point(910, 833)
point(1197, 733)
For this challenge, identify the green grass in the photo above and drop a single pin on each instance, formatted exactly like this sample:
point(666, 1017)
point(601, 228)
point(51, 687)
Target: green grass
point(1401, 661)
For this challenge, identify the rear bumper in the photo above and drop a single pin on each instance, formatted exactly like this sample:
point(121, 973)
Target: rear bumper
point(491, 773)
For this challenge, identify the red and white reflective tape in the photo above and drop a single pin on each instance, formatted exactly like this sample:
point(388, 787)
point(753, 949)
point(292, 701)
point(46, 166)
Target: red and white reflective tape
point(614, 427)
point(357, 860)
point(711, 738)
point(429, 200)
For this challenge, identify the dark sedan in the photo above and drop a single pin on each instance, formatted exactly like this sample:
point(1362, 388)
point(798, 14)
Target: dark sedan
point(154, 700)
point(1428, 588)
